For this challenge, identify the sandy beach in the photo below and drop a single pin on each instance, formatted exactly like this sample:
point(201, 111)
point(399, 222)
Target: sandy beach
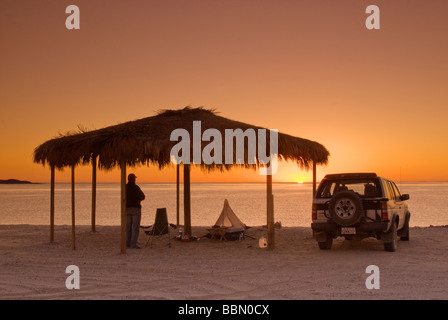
point(33, 268)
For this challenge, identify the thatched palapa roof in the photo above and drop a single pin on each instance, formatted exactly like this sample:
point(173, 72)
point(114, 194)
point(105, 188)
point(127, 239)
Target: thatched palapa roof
point(147, 141)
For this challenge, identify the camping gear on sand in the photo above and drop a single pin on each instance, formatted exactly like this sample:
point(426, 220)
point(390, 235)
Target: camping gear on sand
point(159, 228)
point(228, 226)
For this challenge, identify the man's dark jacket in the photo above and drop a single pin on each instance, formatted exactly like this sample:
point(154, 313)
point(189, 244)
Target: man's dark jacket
point(134, 195)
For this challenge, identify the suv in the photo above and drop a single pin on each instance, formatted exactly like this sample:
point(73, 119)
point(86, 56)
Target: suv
point(359, 205)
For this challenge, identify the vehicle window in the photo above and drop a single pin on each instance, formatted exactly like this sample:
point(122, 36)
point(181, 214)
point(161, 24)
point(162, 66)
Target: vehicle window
point(327, 191)
point(364, 188)
point(397, 192)
point(387, 190)
point(392, 195)
point(389, 193)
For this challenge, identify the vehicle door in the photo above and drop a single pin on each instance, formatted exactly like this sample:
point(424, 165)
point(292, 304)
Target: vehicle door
point(392, 206)
point(400, 205)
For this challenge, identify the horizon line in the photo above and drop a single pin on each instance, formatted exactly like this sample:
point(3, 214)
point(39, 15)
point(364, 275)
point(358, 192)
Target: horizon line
point(211, 182)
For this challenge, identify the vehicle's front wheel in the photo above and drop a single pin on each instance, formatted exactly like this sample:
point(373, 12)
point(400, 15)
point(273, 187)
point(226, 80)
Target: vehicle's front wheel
point(404, 233)
point(391, 244)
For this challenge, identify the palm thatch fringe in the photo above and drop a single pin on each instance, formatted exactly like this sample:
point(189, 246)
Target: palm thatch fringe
point(147, 141)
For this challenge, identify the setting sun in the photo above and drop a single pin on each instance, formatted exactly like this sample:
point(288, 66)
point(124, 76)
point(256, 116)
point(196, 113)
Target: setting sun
point(342, 85)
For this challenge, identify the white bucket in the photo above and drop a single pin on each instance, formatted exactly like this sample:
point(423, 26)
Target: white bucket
point(262, 242)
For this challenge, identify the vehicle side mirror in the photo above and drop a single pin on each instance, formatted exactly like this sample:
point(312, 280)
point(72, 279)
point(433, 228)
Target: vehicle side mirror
point(404, 197)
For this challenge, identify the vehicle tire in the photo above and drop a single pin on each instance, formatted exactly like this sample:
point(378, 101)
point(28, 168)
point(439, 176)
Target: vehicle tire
point(326, 245)
point(404, 234)
point(346, 208)
point(391, 246)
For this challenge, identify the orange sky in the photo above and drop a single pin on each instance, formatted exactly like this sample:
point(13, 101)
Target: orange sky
point(377, 99)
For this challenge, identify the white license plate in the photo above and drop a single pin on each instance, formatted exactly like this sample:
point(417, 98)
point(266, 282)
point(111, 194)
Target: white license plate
point(348, 230)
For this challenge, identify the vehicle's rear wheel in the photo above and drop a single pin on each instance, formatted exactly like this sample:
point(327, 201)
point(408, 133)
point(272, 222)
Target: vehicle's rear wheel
point(346, 208)
point(326, 245)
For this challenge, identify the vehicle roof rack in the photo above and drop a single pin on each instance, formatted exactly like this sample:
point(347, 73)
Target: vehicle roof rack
point(356, 175)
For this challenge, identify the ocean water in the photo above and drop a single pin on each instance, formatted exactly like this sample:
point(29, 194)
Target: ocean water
point(30, 204)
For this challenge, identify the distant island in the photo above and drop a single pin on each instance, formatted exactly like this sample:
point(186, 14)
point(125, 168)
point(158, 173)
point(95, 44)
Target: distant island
point(14, 181)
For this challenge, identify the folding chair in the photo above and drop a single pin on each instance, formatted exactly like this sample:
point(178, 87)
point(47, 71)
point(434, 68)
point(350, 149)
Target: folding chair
point(160, 227)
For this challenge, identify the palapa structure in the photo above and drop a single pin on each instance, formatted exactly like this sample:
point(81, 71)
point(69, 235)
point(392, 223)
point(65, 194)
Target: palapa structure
point(147, 141)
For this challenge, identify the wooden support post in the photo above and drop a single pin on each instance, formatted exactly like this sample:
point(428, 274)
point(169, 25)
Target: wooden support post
point(52, 205)
point(93, 224)
point(314, 178)
point(73, 208)
point(270, 212)
point(177, 193)
point(123, 206)
point(187, 199)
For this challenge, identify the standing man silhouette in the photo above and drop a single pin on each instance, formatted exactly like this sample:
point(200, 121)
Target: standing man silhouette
point(134, 195)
